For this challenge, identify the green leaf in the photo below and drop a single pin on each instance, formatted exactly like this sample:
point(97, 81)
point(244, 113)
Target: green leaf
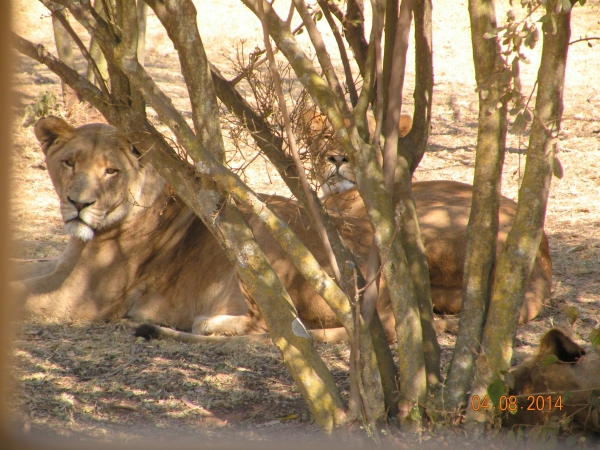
point(509, 380)
point(570, 311)
point(595, 338)
point(415, 413)
point(298, 32)
point(514, 67)
point(582, 2)
point(489, 35)
point(534, 433)
point(571, 441)
point(565, 423)
point(549, 360)
point(594, 399)
point(496, 390)
point(566, 5)
point(520, 124)
point(517, 41)
point(510, 436)
point(558, 171)
point(545, 18)
point(318, 16)
point(514, 110)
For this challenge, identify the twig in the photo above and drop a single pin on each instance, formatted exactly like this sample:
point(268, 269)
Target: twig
point(67, 26)
point(342, 49)
point(123, 366)
point(120, 368)
point(584, 40)
point(321, 51)
point(254, 64)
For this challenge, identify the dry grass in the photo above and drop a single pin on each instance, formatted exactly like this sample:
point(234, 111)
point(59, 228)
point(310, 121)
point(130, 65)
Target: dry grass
point(96, 381)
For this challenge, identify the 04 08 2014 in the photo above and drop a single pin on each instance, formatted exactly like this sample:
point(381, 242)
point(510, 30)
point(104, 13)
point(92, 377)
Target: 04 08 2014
point(512, 403)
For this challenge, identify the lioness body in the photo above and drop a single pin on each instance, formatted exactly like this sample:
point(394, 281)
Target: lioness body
point(156, 261)
point(443, 209)
point(563, 371)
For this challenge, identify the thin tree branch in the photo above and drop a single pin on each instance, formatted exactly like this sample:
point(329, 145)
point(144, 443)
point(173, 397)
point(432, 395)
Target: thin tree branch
point(179, 19)
point(587, 39)
point(321, 51)
point(294, 150)
point(324, 4)
point(67, 26)
point(87, 90)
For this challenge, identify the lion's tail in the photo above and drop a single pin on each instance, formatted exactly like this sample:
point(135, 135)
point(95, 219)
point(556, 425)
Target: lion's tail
point(149, 331)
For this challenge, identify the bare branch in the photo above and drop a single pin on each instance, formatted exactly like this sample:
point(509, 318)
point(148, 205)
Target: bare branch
point(294, 149)
point(179, 19)
point(67, 26)
point(87, 90)
point(324, 4)
point(321, 51)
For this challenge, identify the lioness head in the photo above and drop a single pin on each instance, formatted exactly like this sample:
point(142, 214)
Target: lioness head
point(564, 378)
point(331, 165)
point(96, 173)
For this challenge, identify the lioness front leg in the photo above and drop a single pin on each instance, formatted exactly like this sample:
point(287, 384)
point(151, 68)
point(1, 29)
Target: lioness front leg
point(224, 324)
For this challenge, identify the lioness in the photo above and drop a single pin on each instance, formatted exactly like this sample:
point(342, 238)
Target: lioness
point(561, 380)
point(331, 165)
point(137, 251)
point(443, 209)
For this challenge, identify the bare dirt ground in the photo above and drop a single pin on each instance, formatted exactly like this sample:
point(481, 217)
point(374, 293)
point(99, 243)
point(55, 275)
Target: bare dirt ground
point(96, 381)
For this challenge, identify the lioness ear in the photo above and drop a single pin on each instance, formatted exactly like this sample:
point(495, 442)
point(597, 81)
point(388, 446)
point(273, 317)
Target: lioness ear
point(48, 129)
point(556, 343)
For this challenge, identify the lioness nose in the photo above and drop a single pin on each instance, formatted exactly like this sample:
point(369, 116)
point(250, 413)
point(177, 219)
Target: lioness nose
point(338, 160)
point(80, 205)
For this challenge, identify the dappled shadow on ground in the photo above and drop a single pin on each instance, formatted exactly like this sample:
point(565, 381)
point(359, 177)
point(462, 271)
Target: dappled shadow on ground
point(98, 380)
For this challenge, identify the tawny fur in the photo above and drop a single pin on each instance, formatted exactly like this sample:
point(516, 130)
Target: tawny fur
point(561, 368)
point(151, 259)
point(157, 262)
point(443, 209)
point(331, 165)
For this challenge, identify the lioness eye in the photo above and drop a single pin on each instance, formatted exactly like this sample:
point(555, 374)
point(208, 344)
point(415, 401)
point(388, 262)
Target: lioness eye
point(69, 163)
point(111, 171)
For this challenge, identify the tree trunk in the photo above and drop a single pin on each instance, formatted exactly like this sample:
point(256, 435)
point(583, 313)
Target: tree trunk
point(518, 255)
point(482, 230)
point(412, 147)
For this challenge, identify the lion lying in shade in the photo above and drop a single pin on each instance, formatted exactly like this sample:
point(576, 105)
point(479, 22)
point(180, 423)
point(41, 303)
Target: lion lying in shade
point(137, 251)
